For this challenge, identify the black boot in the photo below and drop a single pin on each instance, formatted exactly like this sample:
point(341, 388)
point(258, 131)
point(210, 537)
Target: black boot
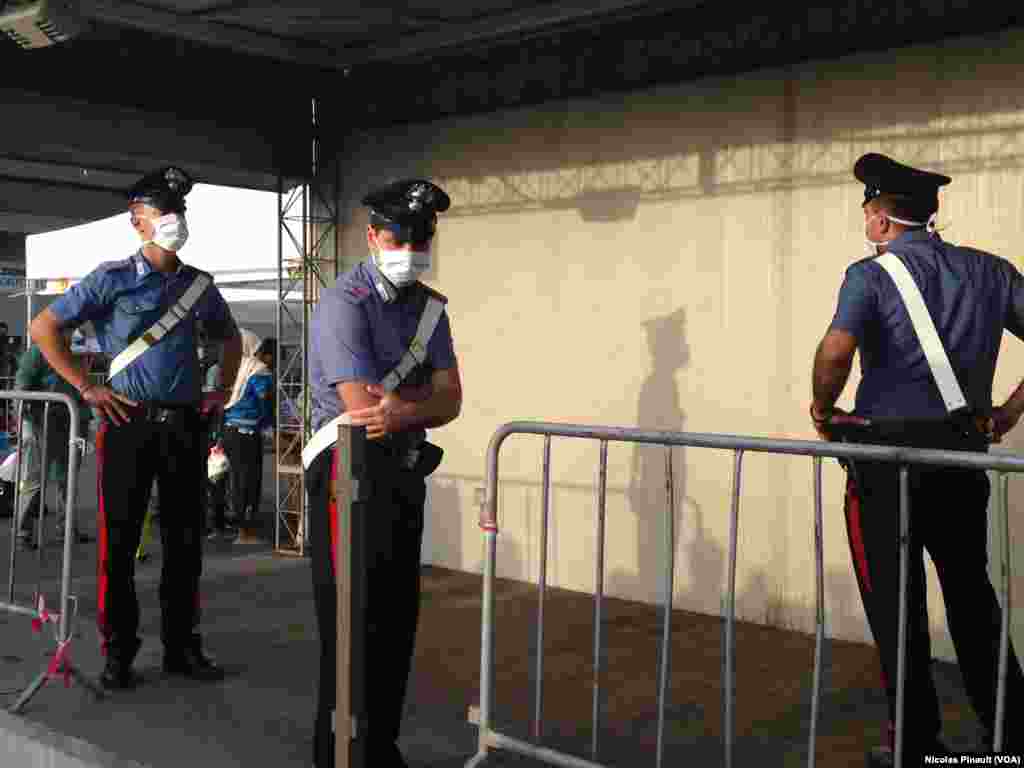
point(118, 674)
point(192, 663)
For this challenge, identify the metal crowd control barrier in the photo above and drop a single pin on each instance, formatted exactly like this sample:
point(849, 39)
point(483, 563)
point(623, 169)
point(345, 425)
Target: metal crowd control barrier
point(61, 664)
point(483, 716)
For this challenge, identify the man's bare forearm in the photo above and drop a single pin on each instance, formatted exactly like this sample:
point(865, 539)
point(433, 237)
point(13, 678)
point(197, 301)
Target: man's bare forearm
point(441, 408)
point(1015, 402)
point(45, 331)
point(829, 377)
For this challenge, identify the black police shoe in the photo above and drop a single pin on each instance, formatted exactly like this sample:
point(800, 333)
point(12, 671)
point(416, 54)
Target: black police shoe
point(882, 757)
point(192, 663)
point(385, 756)
point(118, 675)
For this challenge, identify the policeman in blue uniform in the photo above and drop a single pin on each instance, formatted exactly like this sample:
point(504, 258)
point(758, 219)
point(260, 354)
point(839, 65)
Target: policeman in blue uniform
point(972, 297)
point(150, 420)
point(360, 330)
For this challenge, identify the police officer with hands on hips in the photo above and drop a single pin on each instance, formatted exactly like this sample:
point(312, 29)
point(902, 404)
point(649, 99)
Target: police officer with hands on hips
point(144, 310)
point(927, 317)
point(381, 354)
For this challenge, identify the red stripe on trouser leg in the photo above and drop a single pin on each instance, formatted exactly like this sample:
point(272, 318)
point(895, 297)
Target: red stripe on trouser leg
point(102, 543)
point(332, 512)
point(856, 532)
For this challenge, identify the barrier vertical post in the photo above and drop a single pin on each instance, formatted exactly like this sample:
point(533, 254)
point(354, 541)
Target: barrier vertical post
point(1004, 633)
point(901, 642)
point(19, 474)
point(666, 628)
point(729, 684)
point(541, 589)
point(42, 459)
point(350, 575)
point(602, 487)
point(819, 606)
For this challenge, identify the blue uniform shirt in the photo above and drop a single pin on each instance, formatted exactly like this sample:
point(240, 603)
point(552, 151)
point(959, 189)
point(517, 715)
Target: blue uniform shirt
point(971, 295)
point(123, 299)
point(360, 330)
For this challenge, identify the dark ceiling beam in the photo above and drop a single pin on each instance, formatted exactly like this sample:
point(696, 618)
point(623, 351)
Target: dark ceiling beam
point(83, 176)
point(167, 23)
point(559, 15)
point(502, 26)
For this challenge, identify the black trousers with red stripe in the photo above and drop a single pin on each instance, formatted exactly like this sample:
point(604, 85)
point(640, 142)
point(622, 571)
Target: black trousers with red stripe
point(393, 529)
point(129, 457)
point(948, 520)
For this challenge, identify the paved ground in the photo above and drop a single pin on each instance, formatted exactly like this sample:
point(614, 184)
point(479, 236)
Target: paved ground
point(258, 620)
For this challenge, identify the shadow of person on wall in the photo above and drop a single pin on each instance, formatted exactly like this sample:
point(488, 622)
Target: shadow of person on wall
point(659, 408)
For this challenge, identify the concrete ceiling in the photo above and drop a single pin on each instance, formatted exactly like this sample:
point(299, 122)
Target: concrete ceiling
point(222, 87)
point(330, 35)
point(225, 87)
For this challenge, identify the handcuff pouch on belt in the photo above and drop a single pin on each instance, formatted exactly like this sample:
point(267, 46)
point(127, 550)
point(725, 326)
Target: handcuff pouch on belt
point(962, 429)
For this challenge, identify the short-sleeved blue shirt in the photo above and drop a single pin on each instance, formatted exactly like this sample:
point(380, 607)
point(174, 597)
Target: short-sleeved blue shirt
point(122, 300)
point(361, 329)
point(971, 295)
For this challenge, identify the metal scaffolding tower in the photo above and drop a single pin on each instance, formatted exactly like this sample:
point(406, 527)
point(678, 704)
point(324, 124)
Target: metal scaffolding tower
point(307, 247)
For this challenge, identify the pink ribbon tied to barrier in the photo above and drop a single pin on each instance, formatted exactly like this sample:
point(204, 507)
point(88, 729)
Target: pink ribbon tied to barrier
point(60, 664)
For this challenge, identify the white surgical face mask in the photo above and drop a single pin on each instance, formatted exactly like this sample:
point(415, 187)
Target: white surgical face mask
point(402, 267)
point(169, 232)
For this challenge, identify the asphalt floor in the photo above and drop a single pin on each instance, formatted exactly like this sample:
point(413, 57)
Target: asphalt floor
point(258, 621)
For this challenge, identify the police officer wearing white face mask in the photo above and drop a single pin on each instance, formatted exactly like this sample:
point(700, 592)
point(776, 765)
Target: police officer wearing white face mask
point(146, 310)
point(374, 358)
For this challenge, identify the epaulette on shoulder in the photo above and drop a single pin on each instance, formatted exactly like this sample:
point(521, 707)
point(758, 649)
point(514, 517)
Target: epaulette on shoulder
point(431, 292)
point(112, 266)
point(863, 262)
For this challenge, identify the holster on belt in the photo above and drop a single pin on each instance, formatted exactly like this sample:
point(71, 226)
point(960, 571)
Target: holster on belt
point(429, 458)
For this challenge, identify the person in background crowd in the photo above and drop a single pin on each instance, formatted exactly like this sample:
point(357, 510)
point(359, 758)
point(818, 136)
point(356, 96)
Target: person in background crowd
point(249, 411)
point(219, 525)
point(8, 353)
point(36, 375)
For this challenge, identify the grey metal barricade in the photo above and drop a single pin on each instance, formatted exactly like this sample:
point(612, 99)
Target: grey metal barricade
point(60, 664)
point(904, 457)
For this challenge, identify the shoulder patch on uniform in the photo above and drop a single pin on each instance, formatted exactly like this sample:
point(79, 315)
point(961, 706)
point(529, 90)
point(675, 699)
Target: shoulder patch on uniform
point(431, 292)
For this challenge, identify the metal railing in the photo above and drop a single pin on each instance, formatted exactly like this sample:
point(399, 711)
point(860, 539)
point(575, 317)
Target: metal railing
point(904, 457)
point(60, 664)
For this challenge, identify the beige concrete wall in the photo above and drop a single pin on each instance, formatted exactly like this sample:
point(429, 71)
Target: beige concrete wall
point(669, 259)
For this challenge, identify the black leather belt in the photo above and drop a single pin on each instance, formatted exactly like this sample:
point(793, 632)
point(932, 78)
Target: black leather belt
point(158, 412)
